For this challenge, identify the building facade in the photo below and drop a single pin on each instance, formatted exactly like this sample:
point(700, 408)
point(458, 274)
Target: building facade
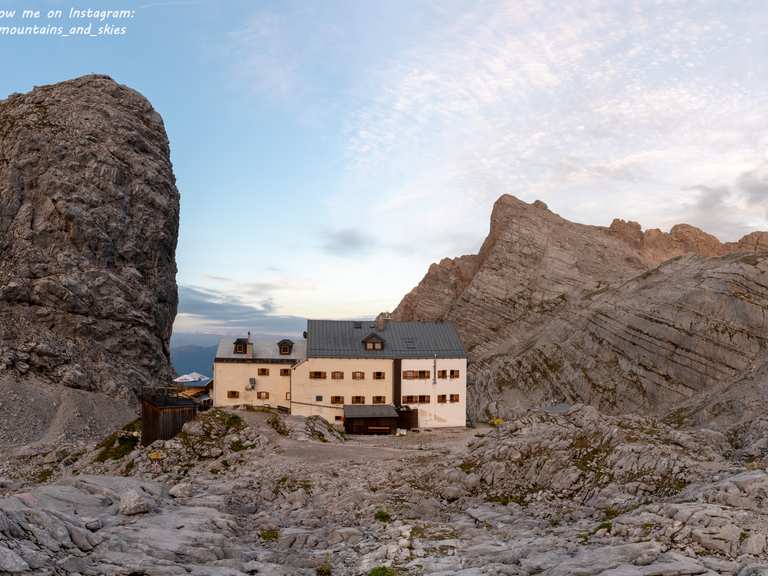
point(255, 374)
point(419, 365)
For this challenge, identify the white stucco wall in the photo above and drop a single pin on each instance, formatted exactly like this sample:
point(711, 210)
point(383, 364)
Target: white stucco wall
point(304, 390)
point(235, 376)
point(434, 415)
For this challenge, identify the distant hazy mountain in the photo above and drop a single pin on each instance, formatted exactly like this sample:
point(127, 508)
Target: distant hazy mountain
point(192, 358)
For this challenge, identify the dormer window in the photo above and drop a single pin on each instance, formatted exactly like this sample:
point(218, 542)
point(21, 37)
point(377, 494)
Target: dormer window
point(285, 347)
point(373, 342)
point(241, 346)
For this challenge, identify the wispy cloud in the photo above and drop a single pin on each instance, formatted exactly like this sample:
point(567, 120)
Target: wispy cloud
point(348, 242)
point(216, 311)
point(571, 103)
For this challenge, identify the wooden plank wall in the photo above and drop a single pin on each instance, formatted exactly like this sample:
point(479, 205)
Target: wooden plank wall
point(163, 423)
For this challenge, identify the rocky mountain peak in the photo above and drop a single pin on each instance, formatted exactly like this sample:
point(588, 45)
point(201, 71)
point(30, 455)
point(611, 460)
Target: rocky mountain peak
point(618, 317)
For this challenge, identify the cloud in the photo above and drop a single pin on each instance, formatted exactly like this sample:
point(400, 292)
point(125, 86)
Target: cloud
point(602, 111)
point(733, 210)
point(348, 242)
point(205, 309)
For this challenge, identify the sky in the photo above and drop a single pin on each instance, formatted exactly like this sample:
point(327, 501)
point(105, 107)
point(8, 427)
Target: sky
point(328, 151)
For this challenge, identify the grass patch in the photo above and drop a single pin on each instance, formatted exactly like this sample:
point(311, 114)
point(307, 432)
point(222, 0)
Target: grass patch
point(269, 535)
point(467, 466)
point(382, 571)
point(277, 423)
point(237, 446)
point(121, 446)
point(44, 475)
point(325, 569)
point(382, 516)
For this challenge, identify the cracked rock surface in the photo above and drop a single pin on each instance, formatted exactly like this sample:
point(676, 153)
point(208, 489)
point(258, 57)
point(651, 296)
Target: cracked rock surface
point(88, 224)
point(241, 493)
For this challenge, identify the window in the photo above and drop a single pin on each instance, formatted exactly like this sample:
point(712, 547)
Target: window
point(379, 400)
point(358, 375)
point(454, 397)
point(337, 375)
point(239, 348)
point(262, 395)
point(423, 374)
point(409, 374)
point(263, 372)
point(441, 398)
point(339, 418)
point(285, 371)
point(285, 347)
point(287, 395)
point(454, 373)
point(442, 374)
point(315, 375)
point(337, 399)
point(378, 375)
point(318, 398)
point(374, 345)
point(233, 394)
point(410, 399)
point(358, 399)
point(423, 399)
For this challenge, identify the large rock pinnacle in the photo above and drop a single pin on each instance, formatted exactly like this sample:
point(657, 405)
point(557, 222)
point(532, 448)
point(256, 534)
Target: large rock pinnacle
point(89, 215)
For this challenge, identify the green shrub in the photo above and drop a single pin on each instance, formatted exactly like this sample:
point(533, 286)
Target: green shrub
point(382, 516)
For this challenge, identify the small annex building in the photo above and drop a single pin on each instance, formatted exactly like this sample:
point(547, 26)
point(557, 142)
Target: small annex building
point(163, 414)
point(362, 419)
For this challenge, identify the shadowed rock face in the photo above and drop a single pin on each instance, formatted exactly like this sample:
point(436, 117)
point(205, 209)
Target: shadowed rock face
point(89, 215)
point(623, 319)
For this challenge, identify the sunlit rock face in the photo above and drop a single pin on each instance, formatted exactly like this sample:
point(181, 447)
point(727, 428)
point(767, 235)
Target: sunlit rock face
point(624, 319)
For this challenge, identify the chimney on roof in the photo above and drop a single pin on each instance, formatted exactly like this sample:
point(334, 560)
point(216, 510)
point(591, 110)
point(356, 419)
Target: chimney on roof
point(250, 345)
point(382, 320)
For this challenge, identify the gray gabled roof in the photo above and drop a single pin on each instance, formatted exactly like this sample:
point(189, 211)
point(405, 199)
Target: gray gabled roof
point(369, 411)
point(344, 339)
point(262, 350)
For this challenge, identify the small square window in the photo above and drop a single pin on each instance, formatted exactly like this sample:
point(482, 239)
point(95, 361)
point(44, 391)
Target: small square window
point(287, 395)
point(339, 418)
point(442, 398)
point(358, 399)
point(318, 398)
point(337, 375)
point(454, 397)
point(358, 375)
point(262, 395)
point(423, 399)
point(454, 373)
point(379, 400)
point(378, 375)
point(263, 372)
point(317, 375)
point(337, 399)
point(285, 371)
point(233, 394)
point(442, 374)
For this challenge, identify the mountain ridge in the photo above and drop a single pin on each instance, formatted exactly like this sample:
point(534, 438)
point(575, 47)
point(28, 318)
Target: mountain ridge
point(547, 305)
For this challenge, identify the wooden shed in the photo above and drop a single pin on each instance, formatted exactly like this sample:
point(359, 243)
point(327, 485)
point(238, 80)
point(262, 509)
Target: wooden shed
point(163, 414)
point(365, 419)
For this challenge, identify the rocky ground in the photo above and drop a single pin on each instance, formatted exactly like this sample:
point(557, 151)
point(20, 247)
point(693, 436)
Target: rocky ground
point(565, 491)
